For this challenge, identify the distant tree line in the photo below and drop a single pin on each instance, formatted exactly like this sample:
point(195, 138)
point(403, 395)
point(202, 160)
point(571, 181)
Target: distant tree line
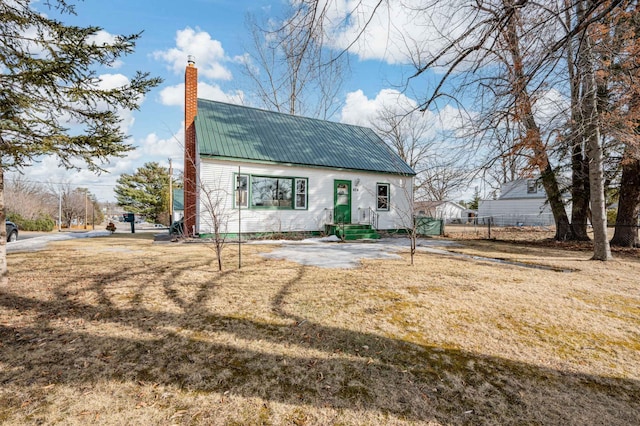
point(34, 206)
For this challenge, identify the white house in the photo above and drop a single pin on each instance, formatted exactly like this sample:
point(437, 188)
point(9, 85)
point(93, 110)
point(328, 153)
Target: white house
point(449, 211)
point(272, 172)
point(522, 202)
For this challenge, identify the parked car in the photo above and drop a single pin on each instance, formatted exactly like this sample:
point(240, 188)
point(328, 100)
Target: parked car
point(12, 231)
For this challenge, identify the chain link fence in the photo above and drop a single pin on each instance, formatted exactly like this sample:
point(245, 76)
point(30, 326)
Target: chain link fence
point(532, 228)
point(625, 235)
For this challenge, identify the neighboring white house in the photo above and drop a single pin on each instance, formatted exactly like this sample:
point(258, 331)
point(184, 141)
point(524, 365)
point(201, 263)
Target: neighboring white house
point(449, 211)
point(275, 172)
point(178, 204)
point(522, 202)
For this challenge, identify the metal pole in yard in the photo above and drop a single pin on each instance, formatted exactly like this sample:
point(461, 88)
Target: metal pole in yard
point(170, 194)
point(239, 219)
point(60, 211)
point(85, 208)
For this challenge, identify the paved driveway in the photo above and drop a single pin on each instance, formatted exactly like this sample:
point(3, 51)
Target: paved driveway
point(38, 243)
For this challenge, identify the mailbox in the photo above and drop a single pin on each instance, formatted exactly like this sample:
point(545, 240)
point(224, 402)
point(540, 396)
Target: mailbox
point(129, 217)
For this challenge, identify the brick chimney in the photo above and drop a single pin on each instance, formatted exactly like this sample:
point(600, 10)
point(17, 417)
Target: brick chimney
point(190, 178)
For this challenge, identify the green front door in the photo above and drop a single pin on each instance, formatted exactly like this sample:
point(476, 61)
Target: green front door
point(342, 201)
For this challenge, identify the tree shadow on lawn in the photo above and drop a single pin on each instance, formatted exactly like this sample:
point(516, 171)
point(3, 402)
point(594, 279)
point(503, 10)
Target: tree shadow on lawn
point(336, 368)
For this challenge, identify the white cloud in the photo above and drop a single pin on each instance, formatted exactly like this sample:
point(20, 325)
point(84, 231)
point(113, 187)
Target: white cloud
point(208, 53)
point(174, 95)
point(152, 146)
point(101, 38)
point(363, 111)
point(112, 81)
point(396, 32)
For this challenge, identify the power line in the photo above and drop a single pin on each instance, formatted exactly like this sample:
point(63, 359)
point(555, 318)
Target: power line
point(66, 183)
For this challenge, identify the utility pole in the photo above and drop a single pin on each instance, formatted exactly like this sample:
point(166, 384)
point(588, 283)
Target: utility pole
point(170, 194)
point(85, 208)
point(60, 211)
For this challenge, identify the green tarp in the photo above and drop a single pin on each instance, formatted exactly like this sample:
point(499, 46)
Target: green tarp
point(429, 226)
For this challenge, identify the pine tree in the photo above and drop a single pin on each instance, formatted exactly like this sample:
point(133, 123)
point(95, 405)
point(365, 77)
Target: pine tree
point(51, 99)
point(146, 192)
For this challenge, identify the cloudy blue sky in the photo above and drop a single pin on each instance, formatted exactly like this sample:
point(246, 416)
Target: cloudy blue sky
point(216, 33)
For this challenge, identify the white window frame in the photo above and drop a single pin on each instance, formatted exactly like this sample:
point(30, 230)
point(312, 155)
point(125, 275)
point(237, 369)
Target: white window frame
point(378, 197)
point(242, 195)
point(297, 193)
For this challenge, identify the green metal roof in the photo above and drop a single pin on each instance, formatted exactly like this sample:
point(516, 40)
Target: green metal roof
point(238, 132)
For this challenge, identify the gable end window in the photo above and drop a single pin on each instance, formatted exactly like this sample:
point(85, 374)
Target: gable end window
point(383, 194)
point(532, 186)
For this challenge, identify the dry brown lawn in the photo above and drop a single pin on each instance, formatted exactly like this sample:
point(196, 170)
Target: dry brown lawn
point(118, 330)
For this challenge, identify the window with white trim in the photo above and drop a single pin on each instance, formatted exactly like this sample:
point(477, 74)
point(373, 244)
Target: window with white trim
point(242, 191)
point(301, 193)
point(271, 192)
point(383, 193)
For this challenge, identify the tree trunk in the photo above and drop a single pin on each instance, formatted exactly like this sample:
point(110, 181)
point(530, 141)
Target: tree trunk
point(579, 193)
point(4, 272)
point(532, 139)
point(579, 160)
point(551, 187)
point(626, 233)
point(601, 248)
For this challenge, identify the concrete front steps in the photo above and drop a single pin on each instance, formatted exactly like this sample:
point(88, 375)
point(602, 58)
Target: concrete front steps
point(353, 232)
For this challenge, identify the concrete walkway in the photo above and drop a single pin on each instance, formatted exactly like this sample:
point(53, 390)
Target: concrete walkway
point(329, 253)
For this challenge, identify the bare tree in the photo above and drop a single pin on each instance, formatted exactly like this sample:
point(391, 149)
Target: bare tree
point(406, 132)
point(30, 200)
point(439, 172)
point(213, 201)
point(591, 116)
point(440, 180)
point(74, 203)
point(290, 67)
point(621, 120)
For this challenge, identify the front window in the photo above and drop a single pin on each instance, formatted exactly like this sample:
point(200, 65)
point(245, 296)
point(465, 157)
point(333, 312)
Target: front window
point(382, 189)
point(271, 192)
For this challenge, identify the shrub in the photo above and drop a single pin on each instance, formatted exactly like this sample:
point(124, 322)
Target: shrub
point(43, 223)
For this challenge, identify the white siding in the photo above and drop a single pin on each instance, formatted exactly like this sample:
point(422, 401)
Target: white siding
point(520, 189)
point(217, 177)
point(449, 211)
point(505, 212)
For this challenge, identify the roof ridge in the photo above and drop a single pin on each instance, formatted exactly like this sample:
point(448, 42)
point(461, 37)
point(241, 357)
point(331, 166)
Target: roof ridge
point(285, 113)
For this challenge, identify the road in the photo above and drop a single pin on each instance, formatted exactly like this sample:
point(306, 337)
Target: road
point(33, 241)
